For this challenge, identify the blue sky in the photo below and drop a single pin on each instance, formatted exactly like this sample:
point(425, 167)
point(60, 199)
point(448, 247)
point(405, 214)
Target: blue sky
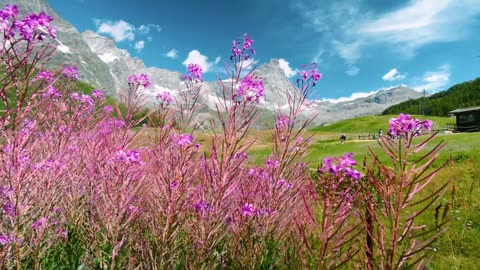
point(361, 46)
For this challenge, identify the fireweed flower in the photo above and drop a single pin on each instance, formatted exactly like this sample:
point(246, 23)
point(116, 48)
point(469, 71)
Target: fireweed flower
point(183, 139)
point(273, 163)
point(70, 72)
point(265, 211)
point(9, 209)
point(44, 75)
point(194, 73)
point(315, 75)
point(52, 92)
point(283, 183)
point(27, 127)
point(248, 210)
point(97, 94)
point(240, 156)
point(304, 74)
point(164, 97)
point(130, 157)
point(246, 49)
point(283, 122)
point(5, 239)
point(140, 79)
point(340, 166)
point(31, 27)
point(308, 76)
point(250, 88)
point(404, 124)
point(87, 100)
point(75, 96)
point(108, 109)
point(39, 223)
point(10, 11)
point(201, 206)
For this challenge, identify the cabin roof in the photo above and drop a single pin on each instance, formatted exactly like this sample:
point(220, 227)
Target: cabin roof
point(457, 111)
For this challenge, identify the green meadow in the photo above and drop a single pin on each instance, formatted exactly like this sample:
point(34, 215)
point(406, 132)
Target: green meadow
point(459, 247)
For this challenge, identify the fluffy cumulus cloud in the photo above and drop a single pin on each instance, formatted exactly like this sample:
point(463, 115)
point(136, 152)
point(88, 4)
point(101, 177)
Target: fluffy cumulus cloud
point(434, 80)
point(172, 54)
point(285, 66)
point(119, 30)
point(122, 31)
point(393, 75)
point(139, 45)
point(195, 57)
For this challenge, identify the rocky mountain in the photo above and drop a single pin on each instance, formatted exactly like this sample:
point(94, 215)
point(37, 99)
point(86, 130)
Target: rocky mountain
point(102, 64)
point(371, 105)
point(71, 49)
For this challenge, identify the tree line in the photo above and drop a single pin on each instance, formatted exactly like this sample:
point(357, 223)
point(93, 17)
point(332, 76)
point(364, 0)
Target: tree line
point(462, 95)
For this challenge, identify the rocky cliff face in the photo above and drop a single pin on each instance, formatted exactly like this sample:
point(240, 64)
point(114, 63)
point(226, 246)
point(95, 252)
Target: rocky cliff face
point(102, 64)
point(71, 49)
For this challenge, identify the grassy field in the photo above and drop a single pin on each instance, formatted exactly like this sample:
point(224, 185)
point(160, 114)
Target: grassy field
point(371, 124)
point(459, 247)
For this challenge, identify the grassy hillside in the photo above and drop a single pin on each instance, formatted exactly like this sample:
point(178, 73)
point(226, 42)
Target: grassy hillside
point(371, 124)
point(462, 95)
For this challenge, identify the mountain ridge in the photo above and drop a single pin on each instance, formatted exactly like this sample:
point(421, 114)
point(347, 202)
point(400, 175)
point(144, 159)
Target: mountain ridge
point(102, 64)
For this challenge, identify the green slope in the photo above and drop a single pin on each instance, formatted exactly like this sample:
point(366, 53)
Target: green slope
point(462, 95)
point(371, 124)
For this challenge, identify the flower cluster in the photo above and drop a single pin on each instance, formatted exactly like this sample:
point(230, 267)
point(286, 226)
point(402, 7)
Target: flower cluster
point(52, 92)
point(201, 206)
point(140, 79)
point(70, 72)
point(404, 124)
point(248, 210)
point(132, 156)
point(44, 75)
point(98, 94)
point(183, 139)
point(310, 71)
point(165, 97)
point(340, 166)
point(250, 88)
point(31, 27)
point(84, 99)
point(283, 122)
point(245, 49)
point(194, 73)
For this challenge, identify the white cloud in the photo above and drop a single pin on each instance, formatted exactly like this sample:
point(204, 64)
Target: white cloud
point(146, 28)
point(172, 54)
point(352, 29)
point(195, 57)
point(285, 66)
point(352, 71)
point(393, 75)
point(422, 22)
point(350, 98)
point(139, 45)
point(350, 52)
point(119, 30)
point(434, 81)
point(217, 59)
